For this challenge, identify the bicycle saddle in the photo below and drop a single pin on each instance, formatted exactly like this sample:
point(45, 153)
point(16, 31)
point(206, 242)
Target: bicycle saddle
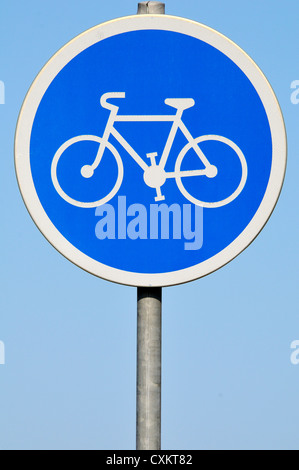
point(180, 103)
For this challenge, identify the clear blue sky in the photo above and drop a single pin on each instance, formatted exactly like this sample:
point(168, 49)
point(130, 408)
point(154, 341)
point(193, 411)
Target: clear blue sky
point(70, 338)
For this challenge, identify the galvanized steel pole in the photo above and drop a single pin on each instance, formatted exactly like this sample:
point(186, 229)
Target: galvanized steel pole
point(155, 8)
point(149, 327)
point(148, 435)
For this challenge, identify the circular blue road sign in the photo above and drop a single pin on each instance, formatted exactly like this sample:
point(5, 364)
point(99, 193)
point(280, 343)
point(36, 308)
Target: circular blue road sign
point(150, 150)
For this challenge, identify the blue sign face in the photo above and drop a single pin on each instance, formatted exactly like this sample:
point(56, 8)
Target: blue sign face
point(152, 151)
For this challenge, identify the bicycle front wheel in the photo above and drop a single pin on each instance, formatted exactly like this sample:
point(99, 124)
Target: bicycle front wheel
point(221, 182)
point(72, 151)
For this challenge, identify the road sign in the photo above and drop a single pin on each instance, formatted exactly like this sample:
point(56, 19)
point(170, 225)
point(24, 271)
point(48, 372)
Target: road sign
point(150, 150)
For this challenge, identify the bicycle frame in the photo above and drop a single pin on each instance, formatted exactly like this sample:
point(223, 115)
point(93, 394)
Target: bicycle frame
point(154, 175)
point(177, 124)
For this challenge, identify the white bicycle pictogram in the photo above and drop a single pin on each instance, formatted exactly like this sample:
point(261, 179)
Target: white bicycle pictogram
point(154, 174)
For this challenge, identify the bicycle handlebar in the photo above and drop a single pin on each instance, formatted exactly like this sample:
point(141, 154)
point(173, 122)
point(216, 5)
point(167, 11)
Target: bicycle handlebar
point(108, 96)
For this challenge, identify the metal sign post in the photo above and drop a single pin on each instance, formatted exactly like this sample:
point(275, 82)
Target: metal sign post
point(154, 8)
point(149, 335)
point(148, 424)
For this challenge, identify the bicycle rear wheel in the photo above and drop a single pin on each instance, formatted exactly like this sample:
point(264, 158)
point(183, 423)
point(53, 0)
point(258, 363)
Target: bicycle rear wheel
point(199, 174)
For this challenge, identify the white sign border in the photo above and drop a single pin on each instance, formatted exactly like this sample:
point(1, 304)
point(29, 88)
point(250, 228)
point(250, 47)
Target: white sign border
point(99, 33)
